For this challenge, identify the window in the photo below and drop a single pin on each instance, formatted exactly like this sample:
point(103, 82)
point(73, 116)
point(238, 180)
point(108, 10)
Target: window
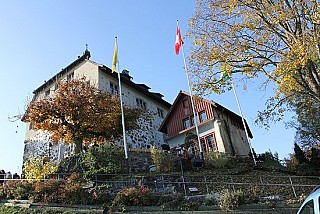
point(160, 113)
point(185, 103)
point(113, 89)
point(186, 123)
point(70, 76)
point(208, 143)
point(47, 92)
point(202, 116)
point(211, 144)
point(192, 120)
point(141, 103)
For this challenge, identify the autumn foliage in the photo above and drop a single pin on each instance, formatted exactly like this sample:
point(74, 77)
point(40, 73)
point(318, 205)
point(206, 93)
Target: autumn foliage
point(278, 40)
point(80, 113)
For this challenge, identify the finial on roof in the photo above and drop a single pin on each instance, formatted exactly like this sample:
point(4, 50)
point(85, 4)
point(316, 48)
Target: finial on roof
point(87, 52)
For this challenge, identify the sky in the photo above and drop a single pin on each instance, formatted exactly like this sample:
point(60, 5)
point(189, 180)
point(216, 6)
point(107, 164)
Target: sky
point(39, 38)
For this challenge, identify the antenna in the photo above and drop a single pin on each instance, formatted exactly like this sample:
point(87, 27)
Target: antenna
point(15, 117)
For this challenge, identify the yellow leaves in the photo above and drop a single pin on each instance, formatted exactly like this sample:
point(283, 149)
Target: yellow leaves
point(37, 168)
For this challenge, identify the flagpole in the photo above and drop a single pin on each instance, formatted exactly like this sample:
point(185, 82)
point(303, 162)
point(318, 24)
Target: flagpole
point(192, 102)
point(243, 122)
point(121, 104)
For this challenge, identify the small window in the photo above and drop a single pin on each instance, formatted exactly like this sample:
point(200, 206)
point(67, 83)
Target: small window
point(47, 92)
point(114, 89)
point(160, 113)
point(192, 121)
point(186, 123)
point(70, 76)
point(141, 103)
point(202, 116)
point(185, 103)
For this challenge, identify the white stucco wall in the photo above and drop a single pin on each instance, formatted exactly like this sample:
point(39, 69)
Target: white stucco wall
point(146, 137)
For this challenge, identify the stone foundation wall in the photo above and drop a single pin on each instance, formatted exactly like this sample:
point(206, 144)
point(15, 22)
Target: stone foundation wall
point(140, 160)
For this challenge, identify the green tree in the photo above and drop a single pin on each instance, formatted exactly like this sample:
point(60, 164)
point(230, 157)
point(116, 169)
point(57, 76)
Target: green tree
point(279, 40)
point(299, 154)
point(79, 113)
point(307, 124)
point(103, 159)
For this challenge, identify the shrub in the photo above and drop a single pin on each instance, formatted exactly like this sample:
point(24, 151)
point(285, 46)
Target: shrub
point(165, 162)
point(47, 191)
point(228, 200)
point(176, 199)
point(189, 205)
point(269, 160)
point(71, 164)
point(211, 199)
point(103, 159)
point(218, 160)
point(134, 197)
point(37, 168)
point(20, 190)
point(23, 190)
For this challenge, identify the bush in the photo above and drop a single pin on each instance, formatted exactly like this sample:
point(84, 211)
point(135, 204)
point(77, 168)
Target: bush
point(228, 200)
point(23, 190)
point(211, 199)
point(165, 162)
point(135, 197)
point(20, 190)
point(48, 191)
point(189, 205)
point(103, 159)
point(218, 160)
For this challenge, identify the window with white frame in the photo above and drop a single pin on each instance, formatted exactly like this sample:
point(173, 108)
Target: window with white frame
point(202, 116)
point(208, 143)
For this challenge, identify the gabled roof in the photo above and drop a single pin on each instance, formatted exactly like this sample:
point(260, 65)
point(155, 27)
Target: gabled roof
point(215, 105)
point(125, 78)
point(142, 88)
point(86, 56)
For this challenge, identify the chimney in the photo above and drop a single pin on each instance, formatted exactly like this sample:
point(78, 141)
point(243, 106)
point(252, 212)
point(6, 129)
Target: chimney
point(125, 74)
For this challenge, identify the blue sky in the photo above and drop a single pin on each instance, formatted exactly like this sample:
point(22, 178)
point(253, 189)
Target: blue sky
point(39, 38)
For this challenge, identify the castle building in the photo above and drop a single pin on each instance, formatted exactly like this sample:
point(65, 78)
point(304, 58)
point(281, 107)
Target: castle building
point(37, 143)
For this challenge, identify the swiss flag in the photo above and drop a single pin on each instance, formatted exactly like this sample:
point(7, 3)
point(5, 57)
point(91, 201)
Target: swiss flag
point(179, 41)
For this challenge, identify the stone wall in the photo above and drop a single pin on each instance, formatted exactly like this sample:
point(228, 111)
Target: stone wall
point(139, 160)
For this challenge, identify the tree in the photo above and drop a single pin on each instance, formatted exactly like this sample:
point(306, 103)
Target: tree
point(307, 124)
point(277, 39)
point(80, 113)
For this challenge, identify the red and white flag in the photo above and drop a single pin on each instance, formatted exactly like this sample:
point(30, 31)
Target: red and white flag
point(179, 41)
